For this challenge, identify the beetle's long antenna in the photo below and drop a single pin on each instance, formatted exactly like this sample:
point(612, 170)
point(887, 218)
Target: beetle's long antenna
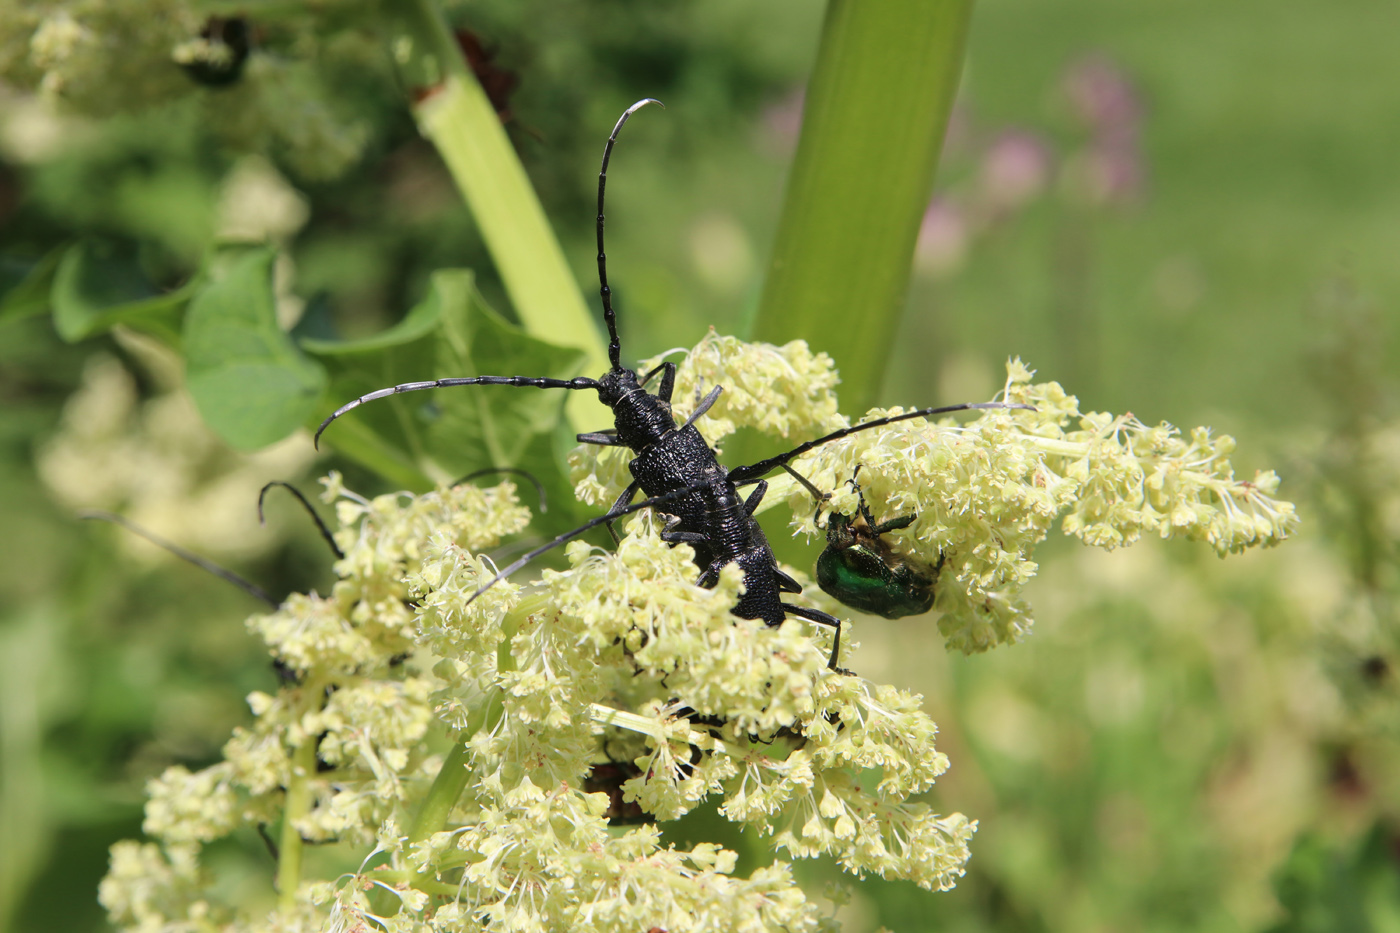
point(609, 317)
point(320, 525)
point(539, 487)
point(529, 382)
point(743, 475)
point(592, 523)
point(252, 589)
point(614, 344)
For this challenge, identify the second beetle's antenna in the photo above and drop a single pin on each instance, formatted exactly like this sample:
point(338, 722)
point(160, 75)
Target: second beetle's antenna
point(252, 589)
point(310, 510)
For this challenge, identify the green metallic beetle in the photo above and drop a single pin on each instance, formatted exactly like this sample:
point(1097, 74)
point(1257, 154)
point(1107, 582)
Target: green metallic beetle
point(864, 571)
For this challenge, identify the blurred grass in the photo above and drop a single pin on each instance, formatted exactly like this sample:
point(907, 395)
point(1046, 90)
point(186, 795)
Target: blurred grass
point(1268, 136)
point(1146, 759)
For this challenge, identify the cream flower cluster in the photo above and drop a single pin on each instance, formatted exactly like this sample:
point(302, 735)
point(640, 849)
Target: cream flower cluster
point(511, 758)
point(156, 462)
point(104, 57)
point(475, 756)
point(986, 490)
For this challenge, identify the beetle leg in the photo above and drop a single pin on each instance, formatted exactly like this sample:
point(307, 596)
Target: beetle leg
point(710, 575)
point(894, 524)
point(862, 508)
point(821, 497)
point(681, 537)
point(606, 438)
point(668, 380)
point(755, 497)
point(821, 618)
point(623, 501)
point(684, 537)
point(786, 584)
point(705, 404)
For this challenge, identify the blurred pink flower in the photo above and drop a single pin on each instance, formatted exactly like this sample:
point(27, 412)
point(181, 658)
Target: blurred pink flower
point(1103, 96)
point(1015, 170)
point(782, 121)
point(943, 238)
point(1106, 174)
point(1111, 168)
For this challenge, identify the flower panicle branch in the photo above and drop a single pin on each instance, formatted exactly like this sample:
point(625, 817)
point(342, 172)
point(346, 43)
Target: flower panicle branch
point(985, 491)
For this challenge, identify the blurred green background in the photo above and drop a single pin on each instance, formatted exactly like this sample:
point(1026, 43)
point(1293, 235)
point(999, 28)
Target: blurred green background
point(1188, 210)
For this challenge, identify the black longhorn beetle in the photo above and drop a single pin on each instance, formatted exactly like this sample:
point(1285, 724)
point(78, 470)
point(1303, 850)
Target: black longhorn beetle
point(674, 466)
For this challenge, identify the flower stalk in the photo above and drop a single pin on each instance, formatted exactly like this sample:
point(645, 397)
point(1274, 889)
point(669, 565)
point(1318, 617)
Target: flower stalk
point(454, 113)
point(298, 805)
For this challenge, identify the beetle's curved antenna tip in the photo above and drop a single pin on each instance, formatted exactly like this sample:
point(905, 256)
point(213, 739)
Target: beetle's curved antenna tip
point(626, 114)
point(262, 494)
point(306, 504)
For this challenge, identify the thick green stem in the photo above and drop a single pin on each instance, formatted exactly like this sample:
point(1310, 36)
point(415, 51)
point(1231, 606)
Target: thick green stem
point(452, 778)
point(876, 110)
point(442, 796)
point(456, 116)
point(298, 804)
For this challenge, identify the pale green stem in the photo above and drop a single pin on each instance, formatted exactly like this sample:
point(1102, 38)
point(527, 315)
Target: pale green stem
point(874, 117)
point(298, 804)
point(30, 647)
point(392, 877)
point(457, 117)
point(452, 779)
point(621, 719)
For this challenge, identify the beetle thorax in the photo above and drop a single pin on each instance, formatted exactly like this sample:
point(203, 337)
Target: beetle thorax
point(640, 418)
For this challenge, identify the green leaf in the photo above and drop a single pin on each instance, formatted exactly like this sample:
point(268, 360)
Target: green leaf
point(493, 425)
point(25, 285)
point(421, 321)
point(98, 284)
point(872, 128)
point(248, 379)
point(1329, 885)
point(449, 432)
